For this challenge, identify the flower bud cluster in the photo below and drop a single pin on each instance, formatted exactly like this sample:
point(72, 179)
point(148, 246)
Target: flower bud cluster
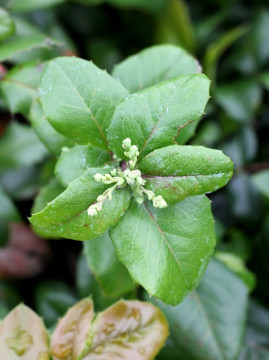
point(120, 179)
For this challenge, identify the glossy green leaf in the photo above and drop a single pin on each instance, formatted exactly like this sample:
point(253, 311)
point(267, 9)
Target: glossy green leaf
point(47, 194)
point(153, 65)
point(112, 276)
point(209, 324)
point(127, 330)
point(29, 5)
point(176, 172)
point(52, 300)
point(152, 118)
point(166, 250)
point(7, 26)
point(239, 99)
point(70, 335)
point(79, 99)
point(67, 216)
point(19, 87)
point(53, 140)
point(75, 161)
point(23, 335)
point(19, 146)
point(261, 181)
point(8, 211)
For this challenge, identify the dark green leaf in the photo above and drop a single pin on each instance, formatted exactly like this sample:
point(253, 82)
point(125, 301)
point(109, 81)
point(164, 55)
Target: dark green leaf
point(79, 99)
point(67, 215)
point(209, 324)
point(153, 65)
point(239, 99)
point(109, 272)
point(166, 250)
point(252, 352)
point(52, 300)
point(53, 140)
point(29, 5)
point(7, 26)
point(152, 118)
point(74, 162)
point(176, 172)
point(19, 146)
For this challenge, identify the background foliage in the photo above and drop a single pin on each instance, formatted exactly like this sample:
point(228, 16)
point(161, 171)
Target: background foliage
point(227, 316)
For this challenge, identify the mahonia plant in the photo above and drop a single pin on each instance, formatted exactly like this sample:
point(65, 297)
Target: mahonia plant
point(124, 174)
point(125, 330)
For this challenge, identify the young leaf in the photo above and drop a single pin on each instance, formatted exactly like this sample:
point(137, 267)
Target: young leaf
point(176, 172)
point(153, 65)
point(7, 26)
point(23, 336)
point(67, 215)
point(166, 250)
point(127, 330)
point(151, 118)
point(209, 324)
point(19, 87)
point(53, 140)
point(79, 99)
point(69, 338)
point(19, 146)
point(74, 162)
point(112, 276)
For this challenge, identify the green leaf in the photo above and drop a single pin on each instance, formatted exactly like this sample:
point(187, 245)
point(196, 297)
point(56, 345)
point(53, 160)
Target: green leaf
point(8, 211)
point(67, 215)
point(69, 338)
point(19, 87)
point(237, 265)
point(153, 65)
point(29, 5)
point(21, 332)
point(74, 162)
point(79, 99)
point(239, 99)
point(17, 44)
point(52, 300)
point(252, 352)
point(19, 146)
point(46, 195)
point(209, 324)
point(147, 5)
point(152, 118)
point(127, 330)
point(7, 26)
point(261, 181)
point(53, 140)
point(166, 250)
point(176, 172)
point(112, 276)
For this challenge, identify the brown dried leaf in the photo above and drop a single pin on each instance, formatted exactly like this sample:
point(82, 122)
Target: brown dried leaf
point(70, 335)
point(23, 336)
point(127, 330)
